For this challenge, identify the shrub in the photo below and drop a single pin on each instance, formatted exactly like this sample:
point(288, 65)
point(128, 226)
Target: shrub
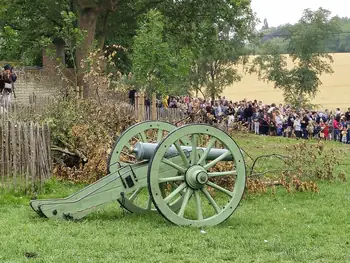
point(83, 133)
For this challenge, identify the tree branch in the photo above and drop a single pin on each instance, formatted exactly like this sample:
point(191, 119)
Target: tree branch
point(61, 150)
point(74, 150)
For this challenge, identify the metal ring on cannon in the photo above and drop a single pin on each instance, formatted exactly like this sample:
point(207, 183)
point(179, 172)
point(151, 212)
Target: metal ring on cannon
point(146, 132)
point(196, 177)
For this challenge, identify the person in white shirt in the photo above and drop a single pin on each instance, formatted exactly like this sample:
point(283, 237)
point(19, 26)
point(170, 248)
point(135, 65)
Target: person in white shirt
point(297, 126)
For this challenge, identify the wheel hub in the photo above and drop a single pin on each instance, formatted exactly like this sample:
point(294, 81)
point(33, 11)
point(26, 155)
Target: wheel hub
point(196, 177)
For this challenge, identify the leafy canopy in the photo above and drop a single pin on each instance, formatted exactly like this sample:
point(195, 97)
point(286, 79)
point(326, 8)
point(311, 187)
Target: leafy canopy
point(306, 47)
point(157, 65)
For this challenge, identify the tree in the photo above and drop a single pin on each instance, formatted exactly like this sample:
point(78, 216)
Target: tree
point(221, 47)
point(307, 42)
point(338, 43)
point(31, 23)
point(112, 22)
point(266, 25)
point(157, 65)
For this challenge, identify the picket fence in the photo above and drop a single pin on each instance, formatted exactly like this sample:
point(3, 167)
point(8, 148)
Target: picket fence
point(25, 155)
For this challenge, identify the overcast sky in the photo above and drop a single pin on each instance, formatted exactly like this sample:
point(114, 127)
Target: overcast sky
point(279, 12)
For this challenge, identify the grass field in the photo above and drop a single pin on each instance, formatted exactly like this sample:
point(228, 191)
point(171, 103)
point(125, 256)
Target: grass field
point(334, 93)
point(300, 227)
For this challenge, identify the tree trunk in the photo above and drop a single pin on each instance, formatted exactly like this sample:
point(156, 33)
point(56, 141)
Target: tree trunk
point(87, 19)
point(212, 86)
point(102, 38)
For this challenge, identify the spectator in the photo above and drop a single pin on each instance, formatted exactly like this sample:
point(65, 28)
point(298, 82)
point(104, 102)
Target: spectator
point(336, 128)
point(297, 127)
point(132, 96)
point(347, 115)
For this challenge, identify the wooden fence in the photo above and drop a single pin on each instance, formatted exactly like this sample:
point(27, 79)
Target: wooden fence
point(143, 112)
point(39, 104)
point(26, 111)
point(161, 114)
point(25, 155)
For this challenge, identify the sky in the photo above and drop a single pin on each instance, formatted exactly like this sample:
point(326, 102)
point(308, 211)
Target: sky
point(279, 12)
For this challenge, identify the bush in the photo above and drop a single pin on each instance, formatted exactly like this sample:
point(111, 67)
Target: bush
point(83, 133)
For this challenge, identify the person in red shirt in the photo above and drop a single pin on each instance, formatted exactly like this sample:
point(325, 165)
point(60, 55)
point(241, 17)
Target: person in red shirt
point(324, 133)
point(336, 127)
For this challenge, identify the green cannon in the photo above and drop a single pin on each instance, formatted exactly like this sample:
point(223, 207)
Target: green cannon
point(193, 175)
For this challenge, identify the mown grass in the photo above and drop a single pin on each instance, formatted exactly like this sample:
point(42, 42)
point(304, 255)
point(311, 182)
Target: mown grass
point(281, 227)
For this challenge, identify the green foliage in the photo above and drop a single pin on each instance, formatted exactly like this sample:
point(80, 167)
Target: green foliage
point(71, 35)
point(9, 44)
point(84, 128)
point(313, 162)
point(221, 47)
point(157, 65)
point(338, 43)
point(306, 47)
point(32, 22)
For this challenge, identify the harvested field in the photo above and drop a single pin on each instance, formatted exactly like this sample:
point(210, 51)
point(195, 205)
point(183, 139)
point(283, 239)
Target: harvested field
point(335, 91)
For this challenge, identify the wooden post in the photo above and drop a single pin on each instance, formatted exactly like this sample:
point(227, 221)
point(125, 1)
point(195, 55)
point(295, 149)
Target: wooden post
point(7, 153)
point(14, 153)
point(2, 152)
point(26, 154)
point(154, 107)
point(32, 155)
point(137, 104)
point(142, 107)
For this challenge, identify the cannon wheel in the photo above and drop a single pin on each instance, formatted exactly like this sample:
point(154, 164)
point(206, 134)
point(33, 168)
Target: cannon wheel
point(197, 179)
point(137, 132)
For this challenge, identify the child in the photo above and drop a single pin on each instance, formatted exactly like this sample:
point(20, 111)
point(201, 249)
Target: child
point(344, 138)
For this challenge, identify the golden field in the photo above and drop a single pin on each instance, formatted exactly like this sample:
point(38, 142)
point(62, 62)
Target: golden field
point(334, 93)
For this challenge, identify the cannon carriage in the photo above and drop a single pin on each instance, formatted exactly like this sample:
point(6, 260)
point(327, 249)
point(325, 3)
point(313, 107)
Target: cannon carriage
point(193, 175)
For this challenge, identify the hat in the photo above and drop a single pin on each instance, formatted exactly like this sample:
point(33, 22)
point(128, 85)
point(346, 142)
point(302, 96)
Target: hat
point(7, 67)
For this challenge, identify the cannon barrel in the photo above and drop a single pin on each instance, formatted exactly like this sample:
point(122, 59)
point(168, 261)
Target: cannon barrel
point(145, 151)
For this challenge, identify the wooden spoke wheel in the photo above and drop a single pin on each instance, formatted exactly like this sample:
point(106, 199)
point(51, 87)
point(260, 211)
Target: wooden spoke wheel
point(211, 181)
point(139, 200)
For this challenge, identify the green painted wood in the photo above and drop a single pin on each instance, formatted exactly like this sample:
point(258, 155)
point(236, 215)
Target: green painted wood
point(110, 188)
point(136, 132)
point(194, 178)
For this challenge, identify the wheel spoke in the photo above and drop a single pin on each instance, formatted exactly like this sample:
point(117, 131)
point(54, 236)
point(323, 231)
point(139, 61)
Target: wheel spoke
point(159, 135)
point(207, 150)
point(143, 136)
point(220, 158)
point(182, 154)
point(194, 149)
point(221, 189)
point(175, 186)
point(176, 200)
point(149, 203)
point(174, 193)
point(128, 154)
point(187, 197)
point(217, 174)
point(211, 200)
point(198, 205)
point(134, 195)
point(171, 179)
point(128, 146)
point(174, 165)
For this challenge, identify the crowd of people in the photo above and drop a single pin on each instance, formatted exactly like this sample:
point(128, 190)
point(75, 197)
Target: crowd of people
point(267, 119)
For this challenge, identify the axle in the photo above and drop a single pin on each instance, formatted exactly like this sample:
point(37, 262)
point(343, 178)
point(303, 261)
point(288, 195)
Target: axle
point(145, 151)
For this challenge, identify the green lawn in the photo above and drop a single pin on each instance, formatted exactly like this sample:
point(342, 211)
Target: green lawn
point(300, 227)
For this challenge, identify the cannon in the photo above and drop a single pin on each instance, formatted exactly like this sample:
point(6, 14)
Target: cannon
point(192, 175)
